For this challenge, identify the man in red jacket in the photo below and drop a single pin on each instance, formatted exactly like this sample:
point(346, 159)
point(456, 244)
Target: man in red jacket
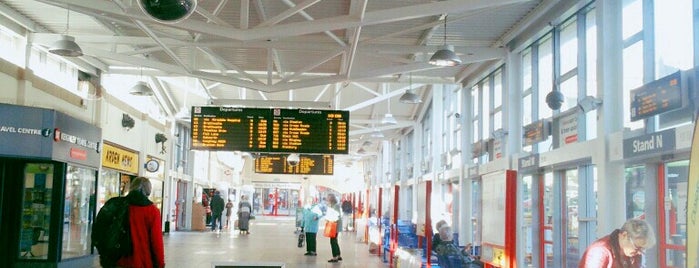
point(146, 232)
point(623, 248)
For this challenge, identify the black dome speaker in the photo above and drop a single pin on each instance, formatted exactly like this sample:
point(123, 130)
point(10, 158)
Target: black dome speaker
point(168, 11)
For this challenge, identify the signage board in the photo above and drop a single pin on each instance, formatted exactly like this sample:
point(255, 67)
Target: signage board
point(650, 144)
point(270, 130)
point(568, 129)
point(657, 97)
point(528, 163)
point(309, 164)
point(536, 132)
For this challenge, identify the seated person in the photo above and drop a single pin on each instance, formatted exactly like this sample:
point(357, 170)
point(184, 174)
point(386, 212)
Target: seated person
point(447, 247)
point(435, 238)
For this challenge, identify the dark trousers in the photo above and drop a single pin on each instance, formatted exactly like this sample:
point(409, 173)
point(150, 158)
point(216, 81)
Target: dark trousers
point(334, 246)
point(216, 219)
point(310, 242)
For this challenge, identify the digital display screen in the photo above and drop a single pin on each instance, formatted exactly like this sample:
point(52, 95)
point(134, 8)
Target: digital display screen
point(270, 130)
point(536, 132)
point(312, 164)
point(657, 97)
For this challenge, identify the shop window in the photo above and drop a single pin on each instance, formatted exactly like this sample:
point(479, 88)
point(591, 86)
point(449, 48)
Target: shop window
point(36, 211)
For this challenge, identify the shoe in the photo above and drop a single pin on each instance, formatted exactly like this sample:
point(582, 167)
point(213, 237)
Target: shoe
point(308, 254)
point(314, 254)
point(339, 258)
point(333, 260)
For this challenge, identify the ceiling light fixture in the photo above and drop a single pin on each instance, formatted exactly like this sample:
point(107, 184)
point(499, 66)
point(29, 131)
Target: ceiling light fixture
point(445, 56)
point(409, 96)
point(141, 88)
point(66, 46)
point(388, 118)
point(377, 134)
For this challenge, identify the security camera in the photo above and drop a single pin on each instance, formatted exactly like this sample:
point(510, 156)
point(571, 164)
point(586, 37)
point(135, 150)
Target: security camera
point(168, 11)
point(555, 99)
point(293, 159)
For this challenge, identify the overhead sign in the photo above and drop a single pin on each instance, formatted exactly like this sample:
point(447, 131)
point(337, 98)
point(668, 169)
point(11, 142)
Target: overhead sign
point(270, 130)
point(528, 163)
point(650, 144)
point(536, 132)
point(311, 164)
point(657, 97)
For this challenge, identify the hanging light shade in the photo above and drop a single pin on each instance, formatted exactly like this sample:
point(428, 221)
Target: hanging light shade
point(141, 89)
point(388, 119)
point(377, 134)
point(66, 47)
point(445, 56)
point(410, 98)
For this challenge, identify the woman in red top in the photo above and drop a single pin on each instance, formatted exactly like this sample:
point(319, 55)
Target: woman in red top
point(146, 232)
point(623, 248)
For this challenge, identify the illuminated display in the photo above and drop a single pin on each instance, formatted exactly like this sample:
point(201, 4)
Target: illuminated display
point(313, 164)
point(270, 130)
point(657, 97)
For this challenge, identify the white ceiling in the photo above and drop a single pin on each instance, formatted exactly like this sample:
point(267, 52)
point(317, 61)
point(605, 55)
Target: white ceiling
point(356, 55)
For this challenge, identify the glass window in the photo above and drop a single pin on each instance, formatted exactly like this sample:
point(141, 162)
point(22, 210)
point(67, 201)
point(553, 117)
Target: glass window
point(108, 187)
point(573, 251)
point(673, 35)
point(77, 218)
point(633, 78)
point(676, 221)
point(527, 214)
point(591, 74)
point(526, 70)
point(635, 195)
point(569, 89)
point(545, 76)
point(12, 47)
point(497, 90)
point(475, 101)
point(36, 211)
point(527, 109)
point(569, 47)
point(486, 109)
point(632, 18)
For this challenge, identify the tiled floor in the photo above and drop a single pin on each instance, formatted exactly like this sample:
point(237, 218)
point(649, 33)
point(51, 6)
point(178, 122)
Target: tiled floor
point(272, 239)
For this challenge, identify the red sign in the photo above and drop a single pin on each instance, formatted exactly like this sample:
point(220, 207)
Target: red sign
point(78, 154)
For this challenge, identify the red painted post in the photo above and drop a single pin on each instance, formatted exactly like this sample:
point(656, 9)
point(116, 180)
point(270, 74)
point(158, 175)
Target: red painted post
point(428, 223)
point(379, 212)
point(394, 226)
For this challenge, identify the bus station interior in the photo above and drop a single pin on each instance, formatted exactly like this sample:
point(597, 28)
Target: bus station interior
point(532, 127)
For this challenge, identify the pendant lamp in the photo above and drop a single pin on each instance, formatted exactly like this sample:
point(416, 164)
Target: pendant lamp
point(409, 97)
point(66, 46)
point(141, 88)
point(445, 56)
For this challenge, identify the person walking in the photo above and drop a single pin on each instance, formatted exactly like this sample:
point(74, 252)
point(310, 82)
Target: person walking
point(229, 212)
point(217, 206)
point(623, 248)
point(334, 214)
point(244, 210)
point(309, 225)
point(146, 228)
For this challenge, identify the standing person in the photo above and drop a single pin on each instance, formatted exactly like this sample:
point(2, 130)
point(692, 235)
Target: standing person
point(244, 210)
point(309, 223)
point(347, 215)
point(622, 248)
point(146, 229)
point(334, 214)
point(229, 212)
point(217, 206)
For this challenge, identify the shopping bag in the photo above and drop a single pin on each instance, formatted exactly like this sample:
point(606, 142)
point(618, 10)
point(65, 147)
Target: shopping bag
point(302, 239)
point(330, 229)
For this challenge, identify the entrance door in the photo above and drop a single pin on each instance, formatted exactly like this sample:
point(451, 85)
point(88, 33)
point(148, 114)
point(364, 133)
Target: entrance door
point(673, 221)
point(181, 205)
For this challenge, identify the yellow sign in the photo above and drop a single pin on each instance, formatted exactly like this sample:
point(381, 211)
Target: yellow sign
point(693, 203)
point(119, 159)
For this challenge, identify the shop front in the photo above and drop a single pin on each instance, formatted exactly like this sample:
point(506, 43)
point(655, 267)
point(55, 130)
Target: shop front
point(119, 167)
point(48, 172)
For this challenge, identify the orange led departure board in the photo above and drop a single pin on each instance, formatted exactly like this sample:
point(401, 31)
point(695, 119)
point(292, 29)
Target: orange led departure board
point(309, 164)
point(270, 130)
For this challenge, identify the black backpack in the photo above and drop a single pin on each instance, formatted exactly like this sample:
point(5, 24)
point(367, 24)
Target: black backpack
point(111, 231)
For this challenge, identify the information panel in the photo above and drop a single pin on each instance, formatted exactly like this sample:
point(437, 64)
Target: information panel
point(270, 130)
point(309, 164)
point(657, 97)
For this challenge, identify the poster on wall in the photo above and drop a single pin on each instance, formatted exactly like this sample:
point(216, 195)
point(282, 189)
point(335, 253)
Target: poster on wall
point(693, 203)
point(494, 208)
